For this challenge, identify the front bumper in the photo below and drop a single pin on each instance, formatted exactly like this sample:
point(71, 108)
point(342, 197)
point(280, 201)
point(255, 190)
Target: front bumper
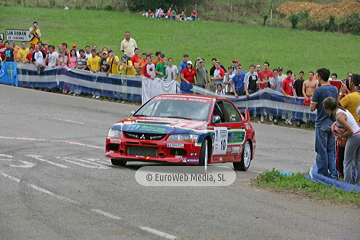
point(150, 150)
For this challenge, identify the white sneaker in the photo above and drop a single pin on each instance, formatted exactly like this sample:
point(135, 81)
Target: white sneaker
point(288, 122)
point(262, 119)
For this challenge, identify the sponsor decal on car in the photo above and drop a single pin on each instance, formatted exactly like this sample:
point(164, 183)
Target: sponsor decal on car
point(178, 156)
point(235, 149)
point(175, 145)
point(236, 137)
point(189, 160)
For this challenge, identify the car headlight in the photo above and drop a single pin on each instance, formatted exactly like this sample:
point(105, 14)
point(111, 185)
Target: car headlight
point(183, 138)
point(114, 133)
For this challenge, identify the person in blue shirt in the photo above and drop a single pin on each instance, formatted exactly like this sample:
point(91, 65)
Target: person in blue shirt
point(238, 82)
point(324, 139)
point(183, 63)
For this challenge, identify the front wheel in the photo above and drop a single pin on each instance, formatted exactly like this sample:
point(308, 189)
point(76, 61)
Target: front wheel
point(204, 153)
point(245, 159)
point(118, 162)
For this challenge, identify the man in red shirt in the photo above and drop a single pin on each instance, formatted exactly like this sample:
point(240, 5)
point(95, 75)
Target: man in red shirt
point(265, 76)
point(29, 55)
point(194, 15)
point(135, 60)
point(287, 88)
point(2, 50)
point(149, 68)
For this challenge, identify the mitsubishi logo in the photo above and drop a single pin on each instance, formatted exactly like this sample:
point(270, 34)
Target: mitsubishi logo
point(143, 136)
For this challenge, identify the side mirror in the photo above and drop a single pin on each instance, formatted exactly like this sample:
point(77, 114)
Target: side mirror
point(132, 113)
point(216, 119)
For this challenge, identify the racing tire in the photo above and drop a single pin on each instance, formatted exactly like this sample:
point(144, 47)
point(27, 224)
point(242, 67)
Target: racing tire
point(204, 153)
point(118, 162)
point(245, 158)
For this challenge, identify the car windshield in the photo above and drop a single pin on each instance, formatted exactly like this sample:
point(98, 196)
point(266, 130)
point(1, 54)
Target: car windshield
point(175, 109)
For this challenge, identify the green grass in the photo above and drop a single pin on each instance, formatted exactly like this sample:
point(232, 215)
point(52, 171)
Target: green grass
point(250, 44)
point(299, 184)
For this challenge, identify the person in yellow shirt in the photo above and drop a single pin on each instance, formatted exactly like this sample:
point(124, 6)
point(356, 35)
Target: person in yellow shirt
point(351, 101)
point(23, 51)
point(93, 62)
point(126, 66)
point(113, 62)
point(34, 34)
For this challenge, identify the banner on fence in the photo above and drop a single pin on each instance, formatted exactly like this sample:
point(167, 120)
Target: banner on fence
point(8, 73)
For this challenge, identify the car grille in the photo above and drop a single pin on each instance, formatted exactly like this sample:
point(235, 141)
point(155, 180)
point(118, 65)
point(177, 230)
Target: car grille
point(144, 136)
point(142, 151)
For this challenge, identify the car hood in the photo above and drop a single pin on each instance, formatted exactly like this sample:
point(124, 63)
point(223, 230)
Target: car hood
point(160, 125)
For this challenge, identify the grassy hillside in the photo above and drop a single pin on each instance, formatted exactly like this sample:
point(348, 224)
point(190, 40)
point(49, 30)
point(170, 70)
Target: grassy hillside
point(292, 49)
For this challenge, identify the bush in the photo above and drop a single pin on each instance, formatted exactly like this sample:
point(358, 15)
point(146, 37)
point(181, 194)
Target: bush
point(108, 8)
point(350, 24)
point(294, 19)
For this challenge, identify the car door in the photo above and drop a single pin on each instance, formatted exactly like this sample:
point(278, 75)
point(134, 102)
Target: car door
point(229, 133)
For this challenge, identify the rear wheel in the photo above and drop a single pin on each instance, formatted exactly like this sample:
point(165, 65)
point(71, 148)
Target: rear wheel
point(118, 162)
point(245, 158)
point(204, 153)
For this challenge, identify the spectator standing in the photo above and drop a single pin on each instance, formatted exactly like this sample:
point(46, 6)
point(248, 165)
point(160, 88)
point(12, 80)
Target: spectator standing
point(228, 81)
point(29, 56)
point(82, 60)
point(149, 68)
point(63, 58)
point(126, 66)
point(235, 64)
point(238, 83)
point(64, 47)
point(218, 75)
point(324, 140)
point(251, 81)
point(113, 62)
point(38, 58)
point(128, 46)
point(202, 78)
point(2, 50)
point(161, 66)
point(334, 76)
point(212, 69)
point(141, 64)
point(73, 59)
point(265, 75)
point(298, 87)
point(88, 52)
point(16, 50)
point(9, 53)
point(280, 72)
point(275, 84)
point(172, 71)
point(344, 119)
point(184, 62)
point(287, 88)
point(52, 57)
point(309, 87)
point(158, 58)
point(34, 34)
point(23, 51)
point(352, 100)
point(258, 69)
point(104, 66)
point(187, 77)
point(135, 60)
point(93, 63)
point(42, 47)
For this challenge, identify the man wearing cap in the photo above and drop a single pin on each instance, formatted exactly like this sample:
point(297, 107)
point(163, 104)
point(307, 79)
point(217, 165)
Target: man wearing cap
point(202, 77)
point(235, 64)
point(128, 46)
point(184, 62)
point(74, 46)
point(112, 62)
point(161, 66)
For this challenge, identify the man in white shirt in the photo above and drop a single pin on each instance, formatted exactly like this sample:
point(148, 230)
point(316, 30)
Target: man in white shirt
point(128, 46)
point(171, 71)
point(39, 59)
point(52, 57)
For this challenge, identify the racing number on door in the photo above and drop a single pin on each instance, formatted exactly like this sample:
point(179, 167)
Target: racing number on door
point(220, 140)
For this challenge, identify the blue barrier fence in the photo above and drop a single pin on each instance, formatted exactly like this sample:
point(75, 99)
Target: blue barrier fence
point(137, 88)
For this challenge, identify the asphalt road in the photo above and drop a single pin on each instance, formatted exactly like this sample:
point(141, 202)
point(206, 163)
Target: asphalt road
point(56, 183)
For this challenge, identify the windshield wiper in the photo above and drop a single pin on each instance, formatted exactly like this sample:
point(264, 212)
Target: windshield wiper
point(179, 117)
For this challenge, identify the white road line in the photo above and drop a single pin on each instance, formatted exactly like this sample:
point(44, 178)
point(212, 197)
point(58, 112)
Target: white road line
point(255, 172)
point(39, 189)
point(156, 232)
point(67, 120)
point(73, 160)
point(106, 214)
point(38, 157)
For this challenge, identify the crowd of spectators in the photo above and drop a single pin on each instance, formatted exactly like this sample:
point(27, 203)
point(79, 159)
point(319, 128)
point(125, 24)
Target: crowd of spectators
point(171, 14)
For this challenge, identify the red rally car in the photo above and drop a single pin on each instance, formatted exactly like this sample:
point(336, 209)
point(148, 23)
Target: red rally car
point(189, 129)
